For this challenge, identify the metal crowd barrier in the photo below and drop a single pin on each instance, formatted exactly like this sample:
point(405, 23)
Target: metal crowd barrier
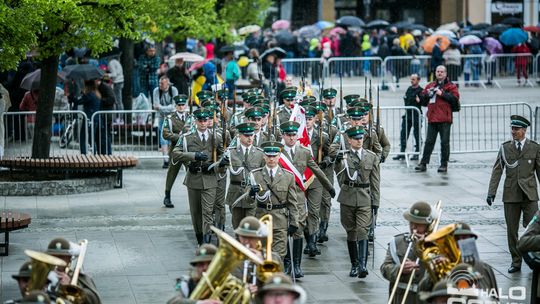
point(536, 66)
point(310, 68)
point(508, 67)
point(395, 121)
point(370, 67)
point(68, 131)
point(395, 68)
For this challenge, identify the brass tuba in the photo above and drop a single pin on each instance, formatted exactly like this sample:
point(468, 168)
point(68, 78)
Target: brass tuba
point(268, 267)
point(439, 252)
point(217, 282)
point(41, 265)
point(73, 292)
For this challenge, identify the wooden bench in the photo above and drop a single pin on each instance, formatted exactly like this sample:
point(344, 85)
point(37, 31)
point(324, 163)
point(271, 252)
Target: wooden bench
point(11, 221)
point(73, 163)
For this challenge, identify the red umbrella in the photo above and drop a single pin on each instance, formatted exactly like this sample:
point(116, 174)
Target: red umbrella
point(337, 31)
point(532, 28)
point(197, 65)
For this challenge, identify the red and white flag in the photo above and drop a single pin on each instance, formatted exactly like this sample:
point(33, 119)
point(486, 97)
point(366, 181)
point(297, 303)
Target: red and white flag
point(303, 179)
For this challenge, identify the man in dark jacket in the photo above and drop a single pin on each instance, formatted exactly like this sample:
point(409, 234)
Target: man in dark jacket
point(438, 97)
point(179, 76)
point(436, 57)
point(411, 118)
point(104, 124)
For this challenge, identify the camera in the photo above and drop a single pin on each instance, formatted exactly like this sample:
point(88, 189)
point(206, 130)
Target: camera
point(431, 92)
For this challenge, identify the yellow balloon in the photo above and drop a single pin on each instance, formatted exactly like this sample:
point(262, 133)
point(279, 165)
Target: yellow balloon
point(243, 61)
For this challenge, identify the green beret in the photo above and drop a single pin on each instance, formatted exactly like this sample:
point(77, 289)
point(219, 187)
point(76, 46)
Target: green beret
point(246, 128)
point(329, 93)
point(254, 112)
point(271, 148)
point(202, 113)
point(289, 127)
point(355, 132)
point(180, 99)
point(519, 121)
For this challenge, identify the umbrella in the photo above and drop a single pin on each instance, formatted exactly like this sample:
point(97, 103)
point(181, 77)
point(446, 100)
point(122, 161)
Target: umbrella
point(480, 26)
point(197, 65)
point(350, 21)
point(311, 31)
point(430, 42)
point(188, 57)
point(446, 33)
point(402, 25)
point(285, 38)
point(233, 48)
point(419, 27)
point(454, 42)
point(513, 36)
point(277, 51)
point(323, 25)
point(83, 71)
point(337, 31)
point(492, 45)
point(512, 21)
point(453, 27)
point(497, 28)
point(377, 24)
point(249, 29)
point(470, 40)
point(416, 33)
point(479, 34)
point(281, 25)
point(31, 80)
point(532, 28)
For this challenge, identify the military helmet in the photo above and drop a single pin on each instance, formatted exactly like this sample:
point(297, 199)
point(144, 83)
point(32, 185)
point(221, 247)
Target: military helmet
point(279, 282)
point(464, 229)
point(420, 213)
point(205, 253)
point(24, 271)
point(59, 246)
point(250, 226)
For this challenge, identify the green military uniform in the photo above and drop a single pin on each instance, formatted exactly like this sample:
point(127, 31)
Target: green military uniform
point(384, 142)
point(173, 127)
point(529, 245)
point(277, 196)
point(242, 161)
point(284, 112)
point(419, 213)
point(358, 177)
point(281, 283)
point(195, 149)
point(259, 136)
point(520, 193)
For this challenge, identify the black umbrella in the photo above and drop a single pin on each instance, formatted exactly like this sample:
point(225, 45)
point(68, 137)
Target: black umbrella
point(285, 38)
point(233, 48)
point(377, 24)
point(350, 21)
point(32, 80)
point(276, 51)
point(479, 34)
point(402, 25)
point(419, 27)
point(480, 26)
point(83, 71)
point(497, 28)
point(512, 21)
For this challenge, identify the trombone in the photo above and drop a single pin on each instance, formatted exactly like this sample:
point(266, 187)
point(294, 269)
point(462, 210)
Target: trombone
point(73, 292)
point(269, 266)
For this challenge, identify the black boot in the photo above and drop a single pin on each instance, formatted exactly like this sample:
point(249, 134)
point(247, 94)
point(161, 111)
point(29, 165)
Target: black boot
point(207, 238)
point(353, 255)
point(323, 237)
point(167, 200)
point(287, 265)
point(399, 157)
point(312, 245)
point(362, 258)
point(297, 258)
point(371, 232)
point(199, 238)
point(317, 250)
point(306, 236)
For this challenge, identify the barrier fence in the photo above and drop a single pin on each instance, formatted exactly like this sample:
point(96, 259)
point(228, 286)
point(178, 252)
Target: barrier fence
point(396, 121)
point(511, 67)
point(370, 67)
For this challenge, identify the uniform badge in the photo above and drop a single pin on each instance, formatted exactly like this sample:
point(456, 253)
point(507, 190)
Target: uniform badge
point(529, 161)
point(58, 245)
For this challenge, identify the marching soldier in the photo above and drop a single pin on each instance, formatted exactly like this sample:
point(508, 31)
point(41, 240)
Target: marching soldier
point(255, 115)
point(521, 159)
point(274, 192)
point(285, 110)
point(195, 149)
point(23, 277)
point(357, 171)
point(173, 126)
point(529, 245)
point(244, 158)
point(329, 97)
point(186, 284)
point(420, 218)
point(299, 159)
point(279, 289)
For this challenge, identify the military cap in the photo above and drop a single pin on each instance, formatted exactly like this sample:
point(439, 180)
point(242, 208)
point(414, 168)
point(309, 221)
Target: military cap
point(180, 99)
point(329, 93)
point(289, 127)
point(245, 96)
point(263, 106)
point(255, 91)
point(279, 282)
point(252, 99)
point(440, 289)
point(288, 93)
point(36, 296)
point(305, 103)
point(355, 132)
point(246, 128)
point(365, 105)
point(204, 94)
point(321, 107)
point(254, 112)
point(464, 229)
point(271, 148)
point(208, 103)
point(352, 97)
point(250, 226)
point(202, 113)
point(420, 213)
point(59, 246)
point(519, 121)
point(310, 111)
point(223, 93)
point(205, 253)
point(356, 112)
point(309, 98)
point(24, 271)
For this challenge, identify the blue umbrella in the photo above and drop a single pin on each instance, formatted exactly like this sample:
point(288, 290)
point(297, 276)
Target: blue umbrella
point(513, 36)
point(322, 25)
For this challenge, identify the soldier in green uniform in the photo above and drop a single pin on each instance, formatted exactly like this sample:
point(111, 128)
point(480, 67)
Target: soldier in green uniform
point(420, 218)
point(186, 284)
point(284, 111)
point(279, 289)
point(357, 171)
point(521, 159)
point(300, 158)
point(274, 192)
point(195, 150)
point(173, 127)
point(243, 158)
point(529, 246)
point(329, 98)
point(255, 115)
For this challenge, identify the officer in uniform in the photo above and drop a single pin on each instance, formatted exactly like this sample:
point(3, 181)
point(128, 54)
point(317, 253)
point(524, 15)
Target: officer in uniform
point(61, 248)
point(274, 193)
point(255, 116)
point(173, 126)
point(329, 98)
point(529, 246)
point(279, 289)
point(357, 171)
point(284, 111)
point(521, 159)
point(420, 218)
point(186, 284)
point(243, 158)
point(195, 149)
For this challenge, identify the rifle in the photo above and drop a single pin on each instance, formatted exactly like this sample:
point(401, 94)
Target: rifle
point(214, 127)
point(224, 121)
point(370, 109)
point(378, 125)
point(233, 108)
point(321, 117)
point(365, 87)
point(190, 99)
point(341, 93)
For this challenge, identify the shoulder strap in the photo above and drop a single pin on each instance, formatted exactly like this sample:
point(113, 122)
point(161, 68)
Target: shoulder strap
point(393, 251)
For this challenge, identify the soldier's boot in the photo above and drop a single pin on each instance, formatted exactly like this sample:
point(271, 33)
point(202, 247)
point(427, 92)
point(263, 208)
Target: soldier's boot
point(362, 258)
point(287, 265)
point(323, 237)
point(311, 247)
point(371, 232)
point(167, 200)
point(353, 255)
point(199, 237)
point(207, 238)
point(297, 258)
point(307, 249)
point(317, 250)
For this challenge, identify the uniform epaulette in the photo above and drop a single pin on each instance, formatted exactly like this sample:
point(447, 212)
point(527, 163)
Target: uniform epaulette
point(369, 151)
point(532, 141)
point(258, 148)
point(232, 148)
point(258, 169)
point(403, 234)
point(507, 142)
